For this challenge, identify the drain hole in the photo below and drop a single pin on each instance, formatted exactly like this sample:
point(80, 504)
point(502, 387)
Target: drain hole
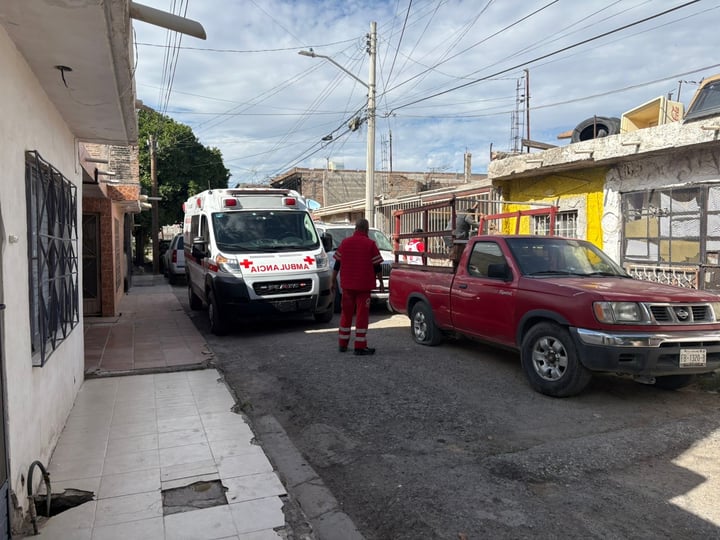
point(193, 497)
point(59, 502)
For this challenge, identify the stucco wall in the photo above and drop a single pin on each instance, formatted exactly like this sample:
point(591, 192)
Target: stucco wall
point(684, 168)
point(38, 399)
point(576, 190)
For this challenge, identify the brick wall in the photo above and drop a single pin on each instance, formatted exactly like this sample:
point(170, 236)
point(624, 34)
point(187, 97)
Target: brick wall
point(123, 161)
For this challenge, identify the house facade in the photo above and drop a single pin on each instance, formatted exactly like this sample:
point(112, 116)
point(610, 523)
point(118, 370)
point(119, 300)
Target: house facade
point(110, 198)
point(67, 79)
point(650, 197)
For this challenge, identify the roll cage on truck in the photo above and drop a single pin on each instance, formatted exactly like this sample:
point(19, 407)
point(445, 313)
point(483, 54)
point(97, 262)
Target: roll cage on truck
point(563, 304)
point(254, 253)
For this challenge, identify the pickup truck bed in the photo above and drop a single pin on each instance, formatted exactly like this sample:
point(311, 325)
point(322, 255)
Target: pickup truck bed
point(567, 308)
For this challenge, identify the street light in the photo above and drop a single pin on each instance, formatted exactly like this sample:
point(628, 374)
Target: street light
point(370, 85)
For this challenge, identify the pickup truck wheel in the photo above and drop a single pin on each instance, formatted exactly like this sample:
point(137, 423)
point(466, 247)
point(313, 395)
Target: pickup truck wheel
point(218, 325)
point(422, 325)
point(673, 382)
point(337, 302)
point(194, 299)
point(551, 362)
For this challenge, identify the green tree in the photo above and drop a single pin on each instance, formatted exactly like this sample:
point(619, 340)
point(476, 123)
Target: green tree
point(184, 166)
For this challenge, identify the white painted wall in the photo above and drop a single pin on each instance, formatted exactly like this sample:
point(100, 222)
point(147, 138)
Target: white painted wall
point(38, 399)
point(689, 166)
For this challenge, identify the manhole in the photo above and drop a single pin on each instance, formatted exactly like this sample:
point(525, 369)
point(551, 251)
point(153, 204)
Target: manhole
point(193, 497)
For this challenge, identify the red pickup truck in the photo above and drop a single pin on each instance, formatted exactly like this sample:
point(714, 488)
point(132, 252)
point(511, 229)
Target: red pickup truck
point(567, 307)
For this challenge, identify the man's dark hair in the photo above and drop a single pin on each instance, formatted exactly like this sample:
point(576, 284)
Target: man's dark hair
point(362, 224)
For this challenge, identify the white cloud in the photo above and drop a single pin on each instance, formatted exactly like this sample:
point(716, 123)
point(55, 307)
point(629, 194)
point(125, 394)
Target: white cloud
point(267, 108)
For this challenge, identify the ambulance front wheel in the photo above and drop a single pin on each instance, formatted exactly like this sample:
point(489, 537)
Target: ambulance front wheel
point(325, 316)
point(218, 324)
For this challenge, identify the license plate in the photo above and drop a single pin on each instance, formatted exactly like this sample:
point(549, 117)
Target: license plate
point(286, 306)
point(693, 357)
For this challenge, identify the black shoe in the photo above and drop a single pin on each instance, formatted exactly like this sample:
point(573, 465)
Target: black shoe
point(342, 348)
point(367, 351)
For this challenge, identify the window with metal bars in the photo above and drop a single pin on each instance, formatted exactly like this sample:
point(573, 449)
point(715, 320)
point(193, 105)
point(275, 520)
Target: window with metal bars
point(565, 224)
point(52, 256)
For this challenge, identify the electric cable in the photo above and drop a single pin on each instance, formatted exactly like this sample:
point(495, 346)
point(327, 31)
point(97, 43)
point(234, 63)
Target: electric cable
point(547, 55)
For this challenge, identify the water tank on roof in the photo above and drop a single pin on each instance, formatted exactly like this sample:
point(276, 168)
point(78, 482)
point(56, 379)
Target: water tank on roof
point(652, 113)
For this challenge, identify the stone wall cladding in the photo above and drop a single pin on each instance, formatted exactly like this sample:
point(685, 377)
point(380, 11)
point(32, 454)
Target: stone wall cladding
point(624, 147)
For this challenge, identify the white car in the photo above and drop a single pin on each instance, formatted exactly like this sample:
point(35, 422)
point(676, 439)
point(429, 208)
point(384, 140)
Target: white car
point(174, 259)
point(339, 232)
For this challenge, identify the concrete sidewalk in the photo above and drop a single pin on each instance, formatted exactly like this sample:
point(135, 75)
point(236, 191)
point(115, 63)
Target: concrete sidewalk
point(152, 435)
point(152, 333)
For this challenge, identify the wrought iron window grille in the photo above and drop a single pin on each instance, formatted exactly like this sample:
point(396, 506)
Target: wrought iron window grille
point(52, 256)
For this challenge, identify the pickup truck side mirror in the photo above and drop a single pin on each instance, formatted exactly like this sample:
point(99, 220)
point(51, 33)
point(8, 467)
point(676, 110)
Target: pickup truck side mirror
point(327, 241)
point(500, 271)
point(199, 248)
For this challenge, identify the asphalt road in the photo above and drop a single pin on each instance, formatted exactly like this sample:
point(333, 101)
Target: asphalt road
point(440, 442)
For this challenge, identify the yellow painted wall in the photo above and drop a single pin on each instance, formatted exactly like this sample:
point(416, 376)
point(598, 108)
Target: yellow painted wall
point(559, 189)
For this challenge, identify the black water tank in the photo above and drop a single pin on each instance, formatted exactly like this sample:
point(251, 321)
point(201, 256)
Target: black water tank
point(596, 127)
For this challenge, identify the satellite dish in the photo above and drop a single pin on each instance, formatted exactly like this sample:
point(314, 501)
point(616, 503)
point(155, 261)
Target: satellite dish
point(313, 204)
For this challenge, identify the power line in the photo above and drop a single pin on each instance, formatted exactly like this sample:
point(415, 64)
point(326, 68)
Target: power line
point(504, 29)
point(542, 57)
point(248, 51)
point(402, 33)
point(444, 57)
point(574, 100)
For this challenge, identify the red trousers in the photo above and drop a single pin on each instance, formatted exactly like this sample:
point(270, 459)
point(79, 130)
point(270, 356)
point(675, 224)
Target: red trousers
point(354, 304)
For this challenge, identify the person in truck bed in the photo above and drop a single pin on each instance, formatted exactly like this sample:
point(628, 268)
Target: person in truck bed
point(465, 222)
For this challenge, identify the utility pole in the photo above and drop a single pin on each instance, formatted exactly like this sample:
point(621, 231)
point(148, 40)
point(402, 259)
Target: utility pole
point(155, 216)
point(527, 105)
point(370, 166)
point(391, 150)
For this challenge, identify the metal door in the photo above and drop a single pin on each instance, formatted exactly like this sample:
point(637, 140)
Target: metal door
point(92, 304)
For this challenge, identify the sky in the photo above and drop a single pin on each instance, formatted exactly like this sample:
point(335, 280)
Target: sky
point(451, 75)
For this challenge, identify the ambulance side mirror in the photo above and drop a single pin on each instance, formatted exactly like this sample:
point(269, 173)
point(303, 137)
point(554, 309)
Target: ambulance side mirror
point(199, 248)
point(327, 241)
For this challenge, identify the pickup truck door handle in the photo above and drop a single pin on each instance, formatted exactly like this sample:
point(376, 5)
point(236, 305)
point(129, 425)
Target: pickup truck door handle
point(462, 286)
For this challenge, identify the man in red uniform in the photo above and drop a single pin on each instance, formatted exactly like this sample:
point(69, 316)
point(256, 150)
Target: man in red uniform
point(361, 264)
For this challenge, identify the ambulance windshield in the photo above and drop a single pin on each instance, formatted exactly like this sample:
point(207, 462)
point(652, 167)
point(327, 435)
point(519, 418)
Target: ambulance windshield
point(264, 230)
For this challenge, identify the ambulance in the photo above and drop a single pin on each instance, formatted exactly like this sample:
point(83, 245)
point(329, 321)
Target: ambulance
point(254, 252)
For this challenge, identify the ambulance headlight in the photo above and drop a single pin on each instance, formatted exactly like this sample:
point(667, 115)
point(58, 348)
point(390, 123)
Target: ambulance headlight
point(227, 264)
point(321, 261)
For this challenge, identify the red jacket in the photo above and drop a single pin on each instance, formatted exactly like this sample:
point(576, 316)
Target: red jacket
point(358, 255)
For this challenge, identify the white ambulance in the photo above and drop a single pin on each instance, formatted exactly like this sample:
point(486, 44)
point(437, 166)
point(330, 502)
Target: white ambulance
point(252, 253)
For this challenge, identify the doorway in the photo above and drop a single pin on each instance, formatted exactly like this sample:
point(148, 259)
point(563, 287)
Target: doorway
point(92, 304)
